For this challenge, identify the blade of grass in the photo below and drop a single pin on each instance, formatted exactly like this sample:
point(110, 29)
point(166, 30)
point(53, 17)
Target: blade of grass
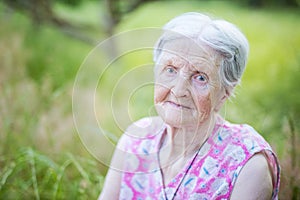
point(7, 172)
point(59, 177)
point(33, 173)
point(80, 169)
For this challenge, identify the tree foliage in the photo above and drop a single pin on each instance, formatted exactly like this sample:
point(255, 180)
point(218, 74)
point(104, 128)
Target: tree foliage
point(40, 11)
point(269, 3)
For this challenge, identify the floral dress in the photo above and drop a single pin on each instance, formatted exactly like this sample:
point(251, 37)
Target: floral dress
point(210, 174)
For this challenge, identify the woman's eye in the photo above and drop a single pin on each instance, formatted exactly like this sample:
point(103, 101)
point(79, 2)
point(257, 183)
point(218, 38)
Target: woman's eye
point(200, 78)
point(170, 70)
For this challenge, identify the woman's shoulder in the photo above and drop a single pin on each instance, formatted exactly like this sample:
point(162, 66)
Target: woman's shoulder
point(249, 143)
point(146, 127)
point(243, 135)
point(143, 135)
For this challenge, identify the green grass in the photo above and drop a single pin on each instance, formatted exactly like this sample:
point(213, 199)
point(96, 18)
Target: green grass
point(41, 154)
point(31, 175)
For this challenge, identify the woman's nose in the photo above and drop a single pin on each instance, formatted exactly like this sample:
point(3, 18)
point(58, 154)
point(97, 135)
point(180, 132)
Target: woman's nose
point(180, 88)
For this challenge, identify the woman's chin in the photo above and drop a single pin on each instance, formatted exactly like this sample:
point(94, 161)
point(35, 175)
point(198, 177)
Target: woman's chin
point(177, 121)
point(181, 118)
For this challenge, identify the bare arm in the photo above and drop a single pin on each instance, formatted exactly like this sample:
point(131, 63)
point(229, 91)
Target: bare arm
point(254, 181)
point(112, 184)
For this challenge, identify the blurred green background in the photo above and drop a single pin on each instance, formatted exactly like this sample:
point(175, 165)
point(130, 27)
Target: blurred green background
point(43, 44)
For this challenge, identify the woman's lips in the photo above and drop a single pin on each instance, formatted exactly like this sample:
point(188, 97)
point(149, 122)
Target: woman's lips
point(177, 105)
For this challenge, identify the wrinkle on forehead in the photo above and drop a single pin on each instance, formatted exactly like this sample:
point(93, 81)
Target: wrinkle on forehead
point(187, 52)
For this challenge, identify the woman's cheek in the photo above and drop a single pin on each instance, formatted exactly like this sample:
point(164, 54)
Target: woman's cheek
point(160, 93)
point(204, 106)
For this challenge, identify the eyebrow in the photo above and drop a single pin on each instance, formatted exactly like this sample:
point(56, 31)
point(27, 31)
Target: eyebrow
point(199, 64)
point(205, 68)
point(174, 61)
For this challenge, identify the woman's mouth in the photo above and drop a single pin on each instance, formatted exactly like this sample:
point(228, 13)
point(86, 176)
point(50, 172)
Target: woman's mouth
point(176, 105)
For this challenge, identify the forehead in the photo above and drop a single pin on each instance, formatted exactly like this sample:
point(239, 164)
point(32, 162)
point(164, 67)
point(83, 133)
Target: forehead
point(188, 51)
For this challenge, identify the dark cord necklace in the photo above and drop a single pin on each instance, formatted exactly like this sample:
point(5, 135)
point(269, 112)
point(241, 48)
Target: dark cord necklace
point(184, 174)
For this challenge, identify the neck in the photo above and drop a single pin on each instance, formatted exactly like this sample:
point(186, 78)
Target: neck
point(184, 142)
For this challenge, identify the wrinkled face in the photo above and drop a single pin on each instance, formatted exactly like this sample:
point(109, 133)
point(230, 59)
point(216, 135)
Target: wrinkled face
point(188, 90)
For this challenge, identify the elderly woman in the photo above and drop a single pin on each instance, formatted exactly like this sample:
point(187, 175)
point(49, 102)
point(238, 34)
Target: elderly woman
point(189, 151)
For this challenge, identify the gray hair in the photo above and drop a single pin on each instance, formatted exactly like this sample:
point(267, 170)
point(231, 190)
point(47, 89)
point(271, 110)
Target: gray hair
point(221, 36)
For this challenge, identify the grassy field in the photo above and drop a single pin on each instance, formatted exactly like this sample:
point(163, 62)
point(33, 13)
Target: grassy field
point(43, 155)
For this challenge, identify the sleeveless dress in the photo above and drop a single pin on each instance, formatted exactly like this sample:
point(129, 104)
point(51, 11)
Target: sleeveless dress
point(210, 174)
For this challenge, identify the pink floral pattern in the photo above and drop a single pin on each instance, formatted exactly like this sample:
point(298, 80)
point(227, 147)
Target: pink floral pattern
point(211, 175)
